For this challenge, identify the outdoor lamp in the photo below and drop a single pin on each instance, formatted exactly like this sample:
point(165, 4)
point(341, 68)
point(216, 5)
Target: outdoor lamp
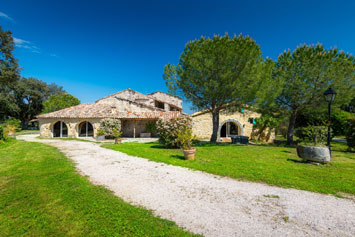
point(329, 95)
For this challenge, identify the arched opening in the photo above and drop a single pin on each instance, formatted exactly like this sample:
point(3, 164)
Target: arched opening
point(60, 129)
point(230, 128)
point(85, 129)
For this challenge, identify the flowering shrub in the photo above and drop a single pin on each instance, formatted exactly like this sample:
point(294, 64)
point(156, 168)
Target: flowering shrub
point(110, 127)
point(168, 130)
point(350, 135)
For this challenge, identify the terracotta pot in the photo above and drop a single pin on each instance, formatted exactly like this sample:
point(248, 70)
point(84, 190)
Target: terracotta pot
point(189, 154)
point(118, 140)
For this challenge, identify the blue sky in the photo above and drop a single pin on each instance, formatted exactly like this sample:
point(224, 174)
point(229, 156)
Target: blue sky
point(95, 48)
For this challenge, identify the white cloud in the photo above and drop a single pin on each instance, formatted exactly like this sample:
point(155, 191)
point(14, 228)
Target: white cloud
point(20, 43)
point(53, 55)
point(3, 15)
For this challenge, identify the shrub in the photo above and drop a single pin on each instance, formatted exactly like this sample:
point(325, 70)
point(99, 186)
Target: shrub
point(350, 135)
point(317, 118)
point(168, 130)
point(151, 127)
point(13, 125)
point(313, 134)
point(110, 127)
point(4, 133)
point(185, 138)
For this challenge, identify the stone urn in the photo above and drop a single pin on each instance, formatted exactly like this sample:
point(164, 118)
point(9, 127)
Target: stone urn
point(314, 154)
point(100, 138)
point(189, 154)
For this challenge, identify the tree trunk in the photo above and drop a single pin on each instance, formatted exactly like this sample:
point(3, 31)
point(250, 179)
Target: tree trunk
point(24, 124)
point(215, 125)
point(291, 127)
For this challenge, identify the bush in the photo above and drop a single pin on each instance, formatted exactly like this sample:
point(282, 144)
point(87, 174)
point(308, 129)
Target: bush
point(350, 135)
point(4, 134)
point(151, 127)
point(13, 125)
point(168, 130)
point(317, 118)
point(185, 138)
point(110, 127)
point(313, 134)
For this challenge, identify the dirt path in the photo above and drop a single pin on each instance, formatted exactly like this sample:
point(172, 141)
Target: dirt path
point(208, 204)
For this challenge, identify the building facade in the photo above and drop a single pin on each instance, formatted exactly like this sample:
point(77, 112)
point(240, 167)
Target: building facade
point(134, 109)
point(240, 123)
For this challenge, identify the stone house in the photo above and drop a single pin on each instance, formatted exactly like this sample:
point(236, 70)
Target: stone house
point(134, 109)
point(231, 124)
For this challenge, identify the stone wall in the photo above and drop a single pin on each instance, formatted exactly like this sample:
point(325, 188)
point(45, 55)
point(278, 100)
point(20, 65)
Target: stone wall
point(124, 105)
point(167, 98)
point(202, 123)
point(128, 127)
point(46, 126)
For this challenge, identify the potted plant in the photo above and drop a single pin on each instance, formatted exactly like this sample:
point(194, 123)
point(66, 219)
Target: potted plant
point(100, 135)
point(185, 141)
point(312, 147)
point(117, 136)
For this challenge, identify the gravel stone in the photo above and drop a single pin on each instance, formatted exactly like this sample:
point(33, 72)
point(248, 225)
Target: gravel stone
point(209, 204)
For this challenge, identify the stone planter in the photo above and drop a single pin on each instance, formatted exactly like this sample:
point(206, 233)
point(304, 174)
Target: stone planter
point(189, 154)
point(146, 134)
point(314, 154)
point(100, 138)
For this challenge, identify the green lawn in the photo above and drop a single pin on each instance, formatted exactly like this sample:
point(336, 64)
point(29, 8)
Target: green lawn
point(270, 164)
point(41, 194)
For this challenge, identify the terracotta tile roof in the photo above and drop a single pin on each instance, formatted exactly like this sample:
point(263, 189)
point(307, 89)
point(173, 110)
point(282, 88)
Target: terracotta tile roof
point(98, 110)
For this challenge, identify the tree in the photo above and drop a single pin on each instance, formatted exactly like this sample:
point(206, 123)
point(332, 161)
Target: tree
point(306, 73)
point(58, 102)
point(9, 75)
point(30, 94)
point(213, 73)
point(54, 89)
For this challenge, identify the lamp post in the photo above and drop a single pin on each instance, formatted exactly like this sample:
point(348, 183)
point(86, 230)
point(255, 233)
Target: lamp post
point(329, 95)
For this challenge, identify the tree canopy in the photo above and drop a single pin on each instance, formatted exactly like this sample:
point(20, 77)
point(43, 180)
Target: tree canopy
point(58, 102)
point(9, 75)
point(306, 73)
point(214, 72)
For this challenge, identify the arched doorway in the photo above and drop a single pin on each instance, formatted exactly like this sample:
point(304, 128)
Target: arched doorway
point(85, 129)
point(60, 129)
point(230, 128)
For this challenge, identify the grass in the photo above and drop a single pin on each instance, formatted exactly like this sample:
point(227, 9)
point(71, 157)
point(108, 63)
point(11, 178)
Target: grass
point(274, 165)
point(41, 194)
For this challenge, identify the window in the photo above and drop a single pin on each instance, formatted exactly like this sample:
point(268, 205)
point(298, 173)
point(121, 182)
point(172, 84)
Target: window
point(60, 129)
point(159, 104)
point(85, 129)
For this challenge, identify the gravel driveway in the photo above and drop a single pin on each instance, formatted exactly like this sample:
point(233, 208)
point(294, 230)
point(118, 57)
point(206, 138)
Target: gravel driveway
point(208, 204)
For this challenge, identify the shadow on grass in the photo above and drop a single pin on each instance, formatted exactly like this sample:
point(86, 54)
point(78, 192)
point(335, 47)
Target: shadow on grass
point(180, 157)
point(299, 161)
